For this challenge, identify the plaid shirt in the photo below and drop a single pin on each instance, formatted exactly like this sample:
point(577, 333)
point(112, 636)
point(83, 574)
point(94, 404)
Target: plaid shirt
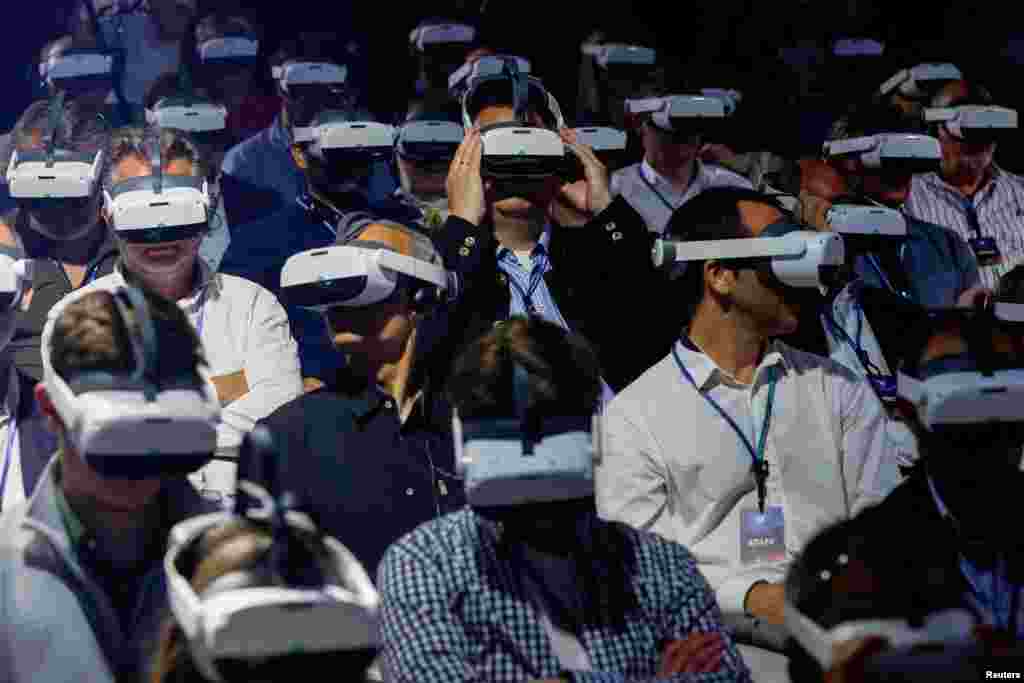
point(454, 609)
point(998, 209)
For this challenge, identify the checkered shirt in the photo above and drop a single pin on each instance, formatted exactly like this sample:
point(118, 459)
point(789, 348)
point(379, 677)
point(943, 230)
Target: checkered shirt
point(454, 610)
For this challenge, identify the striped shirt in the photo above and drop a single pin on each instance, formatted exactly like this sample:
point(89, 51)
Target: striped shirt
point(998, 206)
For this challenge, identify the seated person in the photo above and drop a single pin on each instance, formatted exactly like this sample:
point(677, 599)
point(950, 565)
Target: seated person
point(81, 560)
point(244, 329)
point(423, 166)
point(526, 582)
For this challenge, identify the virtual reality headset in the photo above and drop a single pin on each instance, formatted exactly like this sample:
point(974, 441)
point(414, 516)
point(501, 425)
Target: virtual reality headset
point(53, 174)
point(353, 277)
point(798, 258)
point(87, 68)
point(429, 141)
point(620, 54)
point(301, 78)
point(855, 220)
point(906, 152)
point(684, 117)
point(951, 627)
point(426, 36)
point(158, 208)
point(134, 425)
point(974, 123)
point(517, 461)
point(188, 114)
point(15, 278)
point(240, 50)
point(921, 81)
point(232, 620)
point(348, 142)
point(460, 79)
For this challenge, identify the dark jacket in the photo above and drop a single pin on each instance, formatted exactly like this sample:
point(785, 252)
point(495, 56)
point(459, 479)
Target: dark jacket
point(602, 279)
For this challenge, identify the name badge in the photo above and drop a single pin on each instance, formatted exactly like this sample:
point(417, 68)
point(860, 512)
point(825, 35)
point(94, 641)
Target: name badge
point(762, 536)
point(985, 250)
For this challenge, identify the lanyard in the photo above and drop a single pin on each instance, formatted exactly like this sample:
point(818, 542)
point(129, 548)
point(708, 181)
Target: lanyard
point(202, 313)
point(759, 465)
point(876, 266)
point(12, 437)
point(536, 278)
point(999, 596)
point(971, 214)
point(657, 194)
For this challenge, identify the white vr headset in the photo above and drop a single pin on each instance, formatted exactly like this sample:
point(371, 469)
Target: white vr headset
point(360, 138)
point(878, 151)
point(965, 120)
point(429, 140)
point(15, 278)
point(229, 49)
point(799, 258)
point(602, 139)
point(62, 175)
point(428, 35)
point(730, 97)
point(951, 627)
point(620, 54)
point(76, 65)
point(354, 276)
point(678, 113)
point(239, 622)
point(851, 220)
point(158, 208)
point(192, 115)
point(134, 425)
point(310, 73)
point(921, 80)
point(461, 78)
point(505, 462)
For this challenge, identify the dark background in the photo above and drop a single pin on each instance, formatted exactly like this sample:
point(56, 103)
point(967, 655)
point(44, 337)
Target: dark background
point(733, 41)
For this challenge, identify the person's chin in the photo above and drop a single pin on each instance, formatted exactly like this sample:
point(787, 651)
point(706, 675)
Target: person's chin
point(128, 495)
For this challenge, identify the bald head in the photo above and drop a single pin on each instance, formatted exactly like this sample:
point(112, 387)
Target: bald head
point(387, 236)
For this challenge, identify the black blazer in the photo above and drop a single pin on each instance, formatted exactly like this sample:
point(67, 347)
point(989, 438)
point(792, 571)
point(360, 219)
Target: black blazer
point(602, 279)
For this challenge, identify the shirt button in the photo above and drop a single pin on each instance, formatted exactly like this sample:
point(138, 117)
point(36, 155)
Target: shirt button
point(463, 251)
point(409, 492)
point(470, 241)
point(610, 226)
point(616, 236)
point(388, 404)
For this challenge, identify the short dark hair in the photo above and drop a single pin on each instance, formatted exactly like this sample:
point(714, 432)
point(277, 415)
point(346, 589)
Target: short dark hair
point(714, 214)
point(976, 94)
point(870, 118)
point(170, 85)
point(90, 335)
point(174, 144)
point(1011, 286)
point(564, 374)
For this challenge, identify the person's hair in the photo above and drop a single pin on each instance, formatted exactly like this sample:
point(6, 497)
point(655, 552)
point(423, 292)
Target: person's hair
point(564, 373)
point(871, 118)
point(78, 128)
point(242, 546)
point(135, 142)
point(169, 85)
point(714, 214)
point(62, 44)
point(90, 335)
point(960, 93)
point(423, 247)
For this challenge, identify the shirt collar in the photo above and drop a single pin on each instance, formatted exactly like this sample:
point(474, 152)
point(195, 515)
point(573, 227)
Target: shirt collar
point(543, 244)
point(9, 408)
point(936, 180)
point(658, 180)
point(706, 373)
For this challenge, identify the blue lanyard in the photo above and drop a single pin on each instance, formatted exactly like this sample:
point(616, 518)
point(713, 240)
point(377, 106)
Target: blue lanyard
point(657, 194)
point(885, 280)
point(12, 437)
point(1000, 597)
point(202, 313)
point(760, 466)
point(536, 278)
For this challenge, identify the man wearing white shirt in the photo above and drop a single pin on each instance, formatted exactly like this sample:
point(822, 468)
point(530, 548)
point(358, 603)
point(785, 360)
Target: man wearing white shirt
point(670, 175)
point(244, 329)
point(681, 442)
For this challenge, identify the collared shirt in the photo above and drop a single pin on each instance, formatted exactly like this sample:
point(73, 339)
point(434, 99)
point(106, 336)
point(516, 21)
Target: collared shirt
point(146, 56)
point(10, 467)
point(671, 464)
point(243, 328)
point(216, 242)
point(455, 609)
point(520, 281)
point(26, 441)
point(366, 476)
point(655, 198)
point(993, 581)
point(998, 206)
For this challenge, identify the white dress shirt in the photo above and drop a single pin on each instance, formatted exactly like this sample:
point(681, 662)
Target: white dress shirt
point(998, 205)
point(655, 198)
point(671, 464)
point(244, 328)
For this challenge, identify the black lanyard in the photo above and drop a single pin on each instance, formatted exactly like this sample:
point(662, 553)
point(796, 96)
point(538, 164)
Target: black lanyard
point(657, 194)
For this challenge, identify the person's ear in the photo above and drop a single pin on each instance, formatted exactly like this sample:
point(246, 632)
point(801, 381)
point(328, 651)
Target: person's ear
point(718, 278)
point(299, 157)
point(47, 408)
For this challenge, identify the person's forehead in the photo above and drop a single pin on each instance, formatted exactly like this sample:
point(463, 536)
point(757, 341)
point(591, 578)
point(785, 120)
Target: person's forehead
point(950, 341)
point(503, 113)
point(386, 234)
point(758, 216)
point(136, 167)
